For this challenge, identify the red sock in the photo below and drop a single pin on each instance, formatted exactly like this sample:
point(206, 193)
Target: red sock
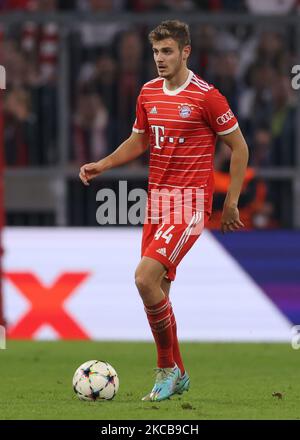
point(176, 350)
point(160, 323)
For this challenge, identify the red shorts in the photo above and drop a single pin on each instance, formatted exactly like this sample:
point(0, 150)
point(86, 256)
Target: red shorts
point(168, 243)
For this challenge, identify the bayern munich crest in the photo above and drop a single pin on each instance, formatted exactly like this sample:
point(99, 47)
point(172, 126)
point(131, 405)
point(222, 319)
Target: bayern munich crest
point(185, 111)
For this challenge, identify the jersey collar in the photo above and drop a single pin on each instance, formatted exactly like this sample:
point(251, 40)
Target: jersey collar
point(179, 89)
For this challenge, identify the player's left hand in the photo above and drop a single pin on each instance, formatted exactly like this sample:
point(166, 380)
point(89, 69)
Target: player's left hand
point(230, 220)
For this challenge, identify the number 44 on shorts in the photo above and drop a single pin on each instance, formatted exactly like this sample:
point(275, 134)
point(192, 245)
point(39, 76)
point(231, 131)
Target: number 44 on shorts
point(167, 236)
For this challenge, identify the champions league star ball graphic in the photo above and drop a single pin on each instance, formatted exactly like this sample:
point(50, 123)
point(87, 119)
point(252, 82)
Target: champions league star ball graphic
point(95, 380)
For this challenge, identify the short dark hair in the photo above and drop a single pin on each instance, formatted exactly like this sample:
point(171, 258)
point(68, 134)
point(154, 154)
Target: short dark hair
point(175, 29)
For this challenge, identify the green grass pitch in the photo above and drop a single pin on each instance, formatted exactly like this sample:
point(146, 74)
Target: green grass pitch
point(228, 381)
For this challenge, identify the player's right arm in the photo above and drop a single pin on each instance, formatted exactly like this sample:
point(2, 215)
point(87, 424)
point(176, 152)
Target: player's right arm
point(129, 150)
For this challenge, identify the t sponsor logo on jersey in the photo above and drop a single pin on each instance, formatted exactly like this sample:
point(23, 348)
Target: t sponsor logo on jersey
point(159, 131)
point(162, 251)
point(221, 120)
point(153, 111)
point(185, 111)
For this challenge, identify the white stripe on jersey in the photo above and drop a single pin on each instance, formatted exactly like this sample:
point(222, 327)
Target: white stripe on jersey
point(157, 173)
point(176, 169)
point(173, 155)
point(192, 91)
point(162, 162)
point(181, 95)
point(185, 129)
point(187, 146)
point(168, 102)
point(152, 88)
point(152, 94)
point(202, 83)
point(174, 120)
point(201, 87)
point(169, 110)
point(175, 186)
point(199, 135)
point(177, 146)
point(153, 81)
point(168, 204)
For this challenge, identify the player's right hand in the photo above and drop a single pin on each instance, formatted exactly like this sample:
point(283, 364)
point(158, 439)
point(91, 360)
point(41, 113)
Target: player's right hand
point(89, 171)
point(230, 220)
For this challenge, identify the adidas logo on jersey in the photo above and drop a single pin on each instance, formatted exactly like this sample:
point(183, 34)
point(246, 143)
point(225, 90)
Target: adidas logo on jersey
point(162, 251)
point(153, 111)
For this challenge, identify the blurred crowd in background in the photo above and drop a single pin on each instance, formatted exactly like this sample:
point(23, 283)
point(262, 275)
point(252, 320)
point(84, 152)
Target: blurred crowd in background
point(271, 6)
point(108, 64)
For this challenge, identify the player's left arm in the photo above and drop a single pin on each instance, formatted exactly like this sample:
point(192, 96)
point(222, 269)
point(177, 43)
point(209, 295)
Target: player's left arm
point(230, 220)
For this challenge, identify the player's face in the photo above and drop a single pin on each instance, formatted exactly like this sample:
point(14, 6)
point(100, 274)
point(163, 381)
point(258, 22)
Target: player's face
point(169, 59)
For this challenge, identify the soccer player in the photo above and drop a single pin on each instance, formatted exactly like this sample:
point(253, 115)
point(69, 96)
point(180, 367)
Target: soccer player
point(179, 115)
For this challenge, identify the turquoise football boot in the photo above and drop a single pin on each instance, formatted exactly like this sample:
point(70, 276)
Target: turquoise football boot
point(183, 384)
point(165, 384)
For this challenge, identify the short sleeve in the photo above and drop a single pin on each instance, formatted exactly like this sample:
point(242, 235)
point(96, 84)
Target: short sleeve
point(218, 113)
point(141, 122)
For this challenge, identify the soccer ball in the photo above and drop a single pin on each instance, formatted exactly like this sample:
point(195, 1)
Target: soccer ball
point(95, 380)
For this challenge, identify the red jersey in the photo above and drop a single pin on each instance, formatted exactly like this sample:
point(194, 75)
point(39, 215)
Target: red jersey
point(183, 125)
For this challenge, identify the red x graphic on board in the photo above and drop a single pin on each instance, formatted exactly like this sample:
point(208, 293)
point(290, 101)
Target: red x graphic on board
point(46, 305)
